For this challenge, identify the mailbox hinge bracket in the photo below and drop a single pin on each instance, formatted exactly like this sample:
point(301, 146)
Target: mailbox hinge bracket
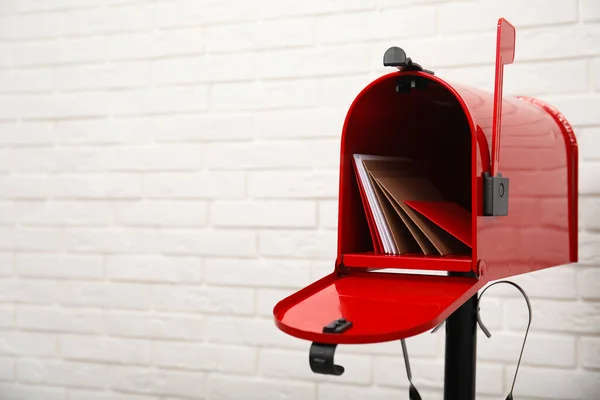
point(495, 195)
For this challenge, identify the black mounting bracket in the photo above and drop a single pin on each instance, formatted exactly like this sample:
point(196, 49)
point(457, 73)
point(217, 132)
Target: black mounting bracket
point(495, 195)
point(320, 358)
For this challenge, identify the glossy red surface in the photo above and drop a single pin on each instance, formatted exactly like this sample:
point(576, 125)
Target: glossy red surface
point(505, 54)
point(382, 307)
point(455, 263)
point(448, 128)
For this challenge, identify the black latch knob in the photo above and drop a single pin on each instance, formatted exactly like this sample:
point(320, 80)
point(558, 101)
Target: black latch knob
point(396, 57)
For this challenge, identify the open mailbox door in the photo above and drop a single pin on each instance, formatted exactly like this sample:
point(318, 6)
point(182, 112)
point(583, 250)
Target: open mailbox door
point(452, 132)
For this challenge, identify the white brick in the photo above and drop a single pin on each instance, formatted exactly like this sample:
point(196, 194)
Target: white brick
point(556, 384)
point(266, 299)
point(589, 283)
point(63, 105)
point(328, 214)
point(505, 347)
point(273, 154)
point(558, 283)
point(148, 44)
point(153, 268)
point(284, 8)
point(159, 100)
point(259, 35)
point(96, 186)
point(7, 369)
point(6, 264)
point(111, 240)
point(229, 243)
point(161, 213)
point(154, 326)
point(12, 391)
point(24, 186)
point(105, 295)
point(62, 373)
point(36, 26)
point(208, 357)
point(242, 96)
point(203, 69)
point(28, 291)
point(373, 25)
point(594, 66)
point(272, 272)
point(213, 184)
point(554, 316)
point(228, 387)
point(589, 249)
point(157, 382)
point(589, 10)
point(219, 300)
point(573, 40)
point(50, 213)
point(59, 319)
point(103, 131)
point(425, 346)
point(387, 370)
point(27, 133)
point(319, 244)
point(104, 349)
point(87, 49)
point(110, 19)
point(589, 141)
point(8, 108)
point(299, 123)
point(24, 344)
point(112, 76)
point(44, 239)
point(284, 364)
point(6, 316)
point(589, 178)
point(293, 184)
point(79, 394)
point(589, 352)
point(339, 92)
point(29, 80)
point(484, 15)
point(38, 6)
point(6, 54)
point(264, 214)
point(192, 13)
point(213, 126)
point(333, 391)
point(314, 62)
point(59, 265)
point(589, 214)
point(577, 109)
point(319, 269)
point(247, 331)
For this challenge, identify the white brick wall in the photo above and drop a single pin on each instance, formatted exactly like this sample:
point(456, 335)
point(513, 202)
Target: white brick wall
point(168, 171)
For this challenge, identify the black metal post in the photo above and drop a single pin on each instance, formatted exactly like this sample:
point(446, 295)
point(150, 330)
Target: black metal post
point(461, 352)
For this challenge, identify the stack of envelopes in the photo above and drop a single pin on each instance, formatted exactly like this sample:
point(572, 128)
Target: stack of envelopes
point(406, 213)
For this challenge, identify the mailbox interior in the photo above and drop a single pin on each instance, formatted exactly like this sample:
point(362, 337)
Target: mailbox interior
point(427, 124)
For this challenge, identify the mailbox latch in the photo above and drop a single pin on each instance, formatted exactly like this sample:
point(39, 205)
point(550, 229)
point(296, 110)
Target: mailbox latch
point(396, 57)
point(495, 195)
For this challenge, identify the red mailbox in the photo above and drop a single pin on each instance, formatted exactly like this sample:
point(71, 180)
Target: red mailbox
point(510, 162)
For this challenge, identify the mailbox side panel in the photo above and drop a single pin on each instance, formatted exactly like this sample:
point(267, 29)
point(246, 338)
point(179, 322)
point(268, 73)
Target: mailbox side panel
point(539, 156)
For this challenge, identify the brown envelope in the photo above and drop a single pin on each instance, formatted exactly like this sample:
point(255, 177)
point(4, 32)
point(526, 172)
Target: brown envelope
point(404, 188)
